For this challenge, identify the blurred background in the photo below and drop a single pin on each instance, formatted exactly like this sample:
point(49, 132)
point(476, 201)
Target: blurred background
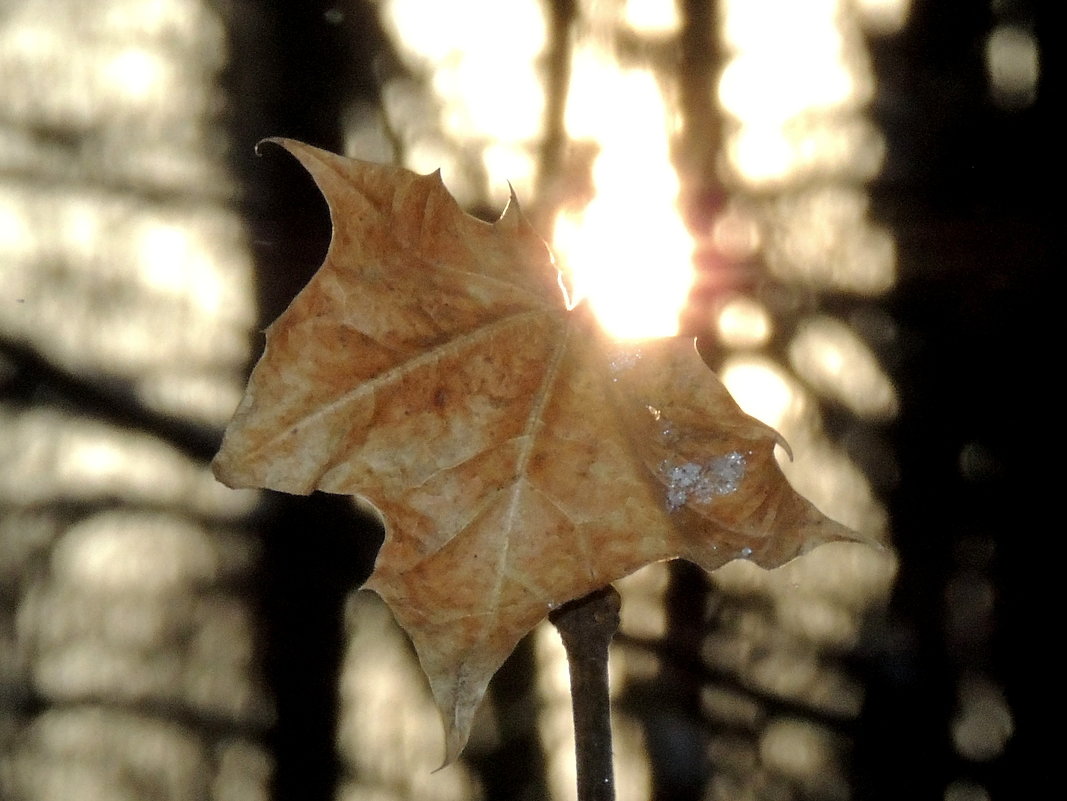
point(849, 202)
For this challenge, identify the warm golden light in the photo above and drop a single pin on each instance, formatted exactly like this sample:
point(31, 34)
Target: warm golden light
point(1013, 66)
point(15, 234)
point(628, 251)
point(820, 470)
point(824, 237)
point(389, 734)
point(651, 16)
point(796, 102)
point(883, 17)
point(763, 390)
point(832, 359)
point(794, 90)
point(486, 104)
point(44, 454)
point(136, 552)
point(808, 754)
point(136, 72)
point(743, 323)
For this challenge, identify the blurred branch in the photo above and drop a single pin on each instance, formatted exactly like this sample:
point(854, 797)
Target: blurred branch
point(28, 378)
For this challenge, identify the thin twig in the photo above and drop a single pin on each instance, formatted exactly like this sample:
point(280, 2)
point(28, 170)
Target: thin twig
point(586, 627)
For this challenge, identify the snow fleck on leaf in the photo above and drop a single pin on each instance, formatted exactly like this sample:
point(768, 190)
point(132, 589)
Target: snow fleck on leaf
point(702, 483)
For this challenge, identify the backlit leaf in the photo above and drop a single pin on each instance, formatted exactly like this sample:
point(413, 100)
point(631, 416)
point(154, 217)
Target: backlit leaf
point(518, 456)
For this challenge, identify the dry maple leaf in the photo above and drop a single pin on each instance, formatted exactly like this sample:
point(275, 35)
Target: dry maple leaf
point(519, 457)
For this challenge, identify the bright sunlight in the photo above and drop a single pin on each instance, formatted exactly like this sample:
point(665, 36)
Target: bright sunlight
point(628, 250)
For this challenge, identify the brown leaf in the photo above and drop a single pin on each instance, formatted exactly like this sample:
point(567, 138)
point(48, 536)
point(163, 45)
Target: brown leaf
point(519, 457)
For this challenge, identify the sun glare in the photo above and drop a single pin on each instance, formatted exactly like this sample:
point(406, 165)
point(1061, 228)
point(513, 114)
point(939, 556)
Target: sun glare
point(628, 251)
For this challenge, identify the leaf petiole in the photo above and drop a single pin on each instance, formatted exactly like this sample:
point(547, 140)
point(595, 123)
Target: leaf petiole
point(586, 626)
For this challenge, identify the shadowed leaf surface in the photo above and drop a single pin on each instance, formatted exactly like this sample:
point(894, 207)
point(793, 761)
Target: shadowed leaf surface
point(518, 456)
